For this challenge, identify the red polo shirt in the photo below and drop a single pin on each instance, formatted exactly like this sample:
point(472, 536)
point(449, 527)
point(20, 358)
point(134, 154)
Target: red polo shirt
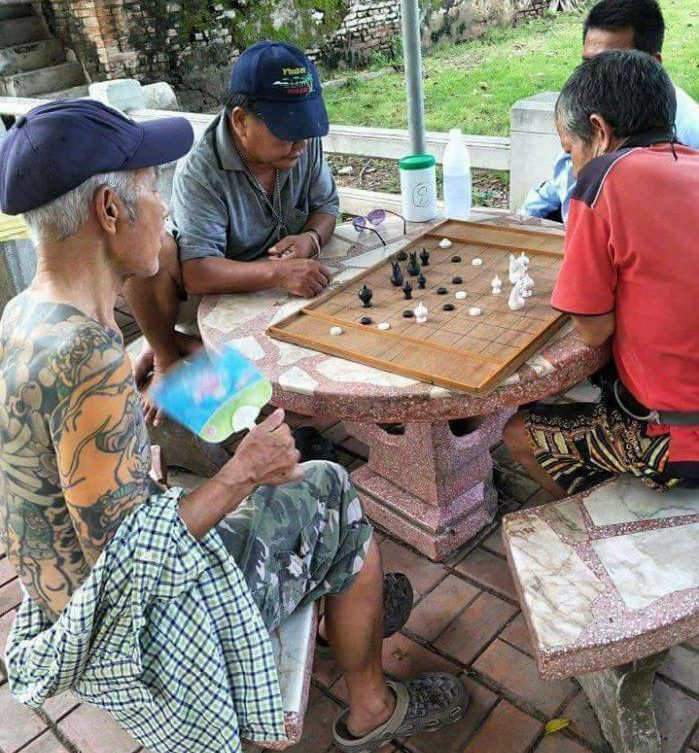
point(632, 247)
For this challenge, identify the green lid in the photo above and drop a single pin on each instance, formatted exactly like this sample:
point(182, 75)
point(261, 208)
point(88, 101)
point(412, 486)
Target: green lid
point(417, 162)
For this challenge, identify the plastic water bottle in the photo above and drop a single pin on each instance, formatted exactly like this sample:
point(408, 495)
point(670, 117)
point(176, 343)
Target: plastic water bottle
point(457, 177)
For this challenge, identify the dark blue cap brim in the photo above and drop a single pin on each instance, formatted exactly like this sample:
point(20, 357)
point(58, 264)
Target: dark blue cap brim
point(295, 121)
point(164, 140)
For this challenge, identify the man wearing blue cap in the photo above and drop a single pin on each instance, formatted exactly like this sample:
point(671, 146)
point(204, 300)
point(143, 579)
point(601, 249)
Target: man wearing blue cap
point(152, 603)
point(254, 189)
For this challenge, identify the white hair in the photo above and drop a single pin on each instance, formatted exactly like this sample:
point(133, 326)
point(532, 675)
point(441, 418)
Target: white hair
point(64, 216)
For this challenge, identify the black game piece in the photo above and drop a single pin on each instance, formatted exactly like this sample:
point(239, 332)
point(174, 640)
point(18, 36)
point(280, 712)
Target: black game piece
point(407, 290)
point(413, 267)
point(425, 257)
point(456, 259)
point(396, 274)
point(421, 280)
point(408, 313)
point(448, 307)
point(457, 280)
point(365, 320)
point(402, 256)
point(442, 291)
point(365, 295)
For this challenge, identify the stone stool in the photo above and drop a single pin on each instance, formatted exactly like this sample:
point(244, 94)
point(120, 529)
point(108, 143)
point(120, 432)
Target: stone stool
point(608, 581)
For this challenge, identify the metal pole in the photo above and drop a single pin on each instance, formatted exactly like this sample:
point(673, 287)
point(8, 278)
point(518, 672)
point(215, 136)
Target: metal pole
point(412, 61)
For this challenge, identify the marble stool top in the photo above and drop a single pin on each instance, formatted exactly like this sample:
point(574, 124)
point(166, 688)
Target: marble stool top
point(293, 643)
point(608, 576)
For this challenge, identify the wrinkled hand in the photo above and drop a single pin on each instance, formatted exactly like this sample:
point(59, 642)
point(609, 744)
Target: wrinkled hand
point(293, 247)
point(268, 454)
point(303, 277)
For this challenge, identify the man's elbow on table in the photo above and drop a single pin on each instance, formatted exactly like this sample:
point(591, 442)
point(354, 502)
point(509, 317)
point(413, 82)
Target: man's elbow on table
point(595, 330)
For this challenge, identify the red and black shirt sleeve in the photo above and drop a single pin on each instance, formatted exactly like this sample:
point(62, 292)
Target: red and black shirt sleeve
point(587, 280)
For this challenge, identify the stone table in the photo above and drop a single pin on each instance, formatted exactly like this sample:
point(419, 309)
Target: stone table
point(428, 481)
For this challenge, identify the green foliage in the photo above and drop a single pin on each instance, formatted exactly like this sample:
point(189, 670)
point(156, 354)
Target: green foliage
point(474, 84)
point(289, 21)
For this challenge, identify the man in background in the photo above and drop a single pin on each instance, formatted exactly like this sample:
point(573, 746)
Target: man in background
point(613, 25)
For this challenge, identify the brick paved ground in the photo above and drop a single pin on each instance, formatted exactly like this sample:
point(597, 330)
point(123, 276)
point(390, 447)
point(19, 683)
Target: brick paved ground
point(466, 621)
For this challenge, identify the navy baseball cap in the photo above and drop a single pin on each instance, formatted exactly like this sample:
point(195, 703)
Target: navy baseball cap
point(59, 145)
point(286, 87)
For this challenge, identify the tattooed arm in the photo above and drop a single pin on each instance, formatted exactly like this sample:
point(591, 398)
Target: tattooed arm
point(100, 439)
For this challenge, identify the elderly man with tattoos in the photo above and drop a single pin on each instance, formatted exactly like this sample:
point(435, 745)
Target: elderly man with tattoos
point(149, 602)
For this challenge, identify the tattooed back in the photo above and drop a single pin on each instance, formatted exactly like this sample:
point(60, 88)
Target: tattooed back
point(74, 453)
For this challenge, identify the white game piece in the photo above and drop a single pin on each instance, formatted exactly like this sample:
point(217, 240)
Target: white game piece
point(336, 331)
point(445, 243)
point(527, 286)
point(516, 301)
point(517, 269)
point(477, 261)
point(496, 291)
point(460, 294)
point(524, 259)
point(496, 282)
point(384, 325)
point(421, 313)
point(474, 311)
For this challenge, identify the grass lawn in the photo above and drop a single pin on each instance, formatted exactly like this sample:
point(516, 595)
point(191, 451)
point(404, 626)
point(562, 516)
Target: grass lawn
point(473, 85)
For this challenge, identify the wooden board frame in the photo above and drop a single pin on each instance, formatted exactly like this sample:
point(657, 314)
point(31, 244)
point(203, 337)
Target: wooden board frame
point(523, 238)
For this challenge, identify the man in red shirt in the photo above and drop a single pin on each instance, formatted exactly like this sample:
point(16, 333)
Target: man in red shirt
point(629, 273)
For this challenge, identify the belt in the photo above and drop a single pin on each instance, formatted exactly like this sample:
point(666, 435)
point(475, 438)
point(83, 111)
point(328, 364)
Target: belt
point(666, 417)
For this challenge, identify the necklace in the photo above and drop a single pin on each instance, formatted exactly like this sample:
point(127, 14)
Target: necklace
point(275, 205)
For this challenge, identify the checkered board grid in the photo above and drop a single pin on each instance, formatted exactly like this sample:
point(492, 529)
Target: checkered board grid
point(453, 348)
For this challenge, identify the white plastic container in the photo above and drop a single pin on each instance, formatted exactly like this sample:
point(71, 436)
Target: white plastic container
point(456, 170)
point(418, 187)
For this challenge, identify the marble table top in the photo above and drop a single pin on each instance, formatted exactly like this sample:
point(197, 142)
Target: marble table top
point(315, 383)
point(607, 577)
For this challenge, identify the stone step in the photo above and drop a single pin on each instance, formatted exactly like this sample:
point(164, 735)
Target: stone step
point(42, 80)
point(15, 10)
point(74, 92)
point(21, 30)
point(31, 56)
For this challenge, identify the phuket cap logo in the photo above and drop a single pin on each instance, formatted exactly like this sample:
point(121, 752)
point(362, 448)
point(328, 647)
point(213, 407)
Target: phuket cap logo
point(295, 81)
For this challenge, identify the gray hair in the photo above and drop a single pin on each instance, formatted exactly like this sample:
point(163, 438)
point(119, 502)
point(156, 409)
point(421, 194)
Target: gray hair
point(64, 216)
point(629, 89)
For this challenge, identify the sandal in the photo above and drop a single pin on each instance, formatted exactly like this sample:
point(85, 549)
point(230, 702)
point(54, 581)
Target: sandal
point(397, 606)
point(313, 445)
point(423, 704)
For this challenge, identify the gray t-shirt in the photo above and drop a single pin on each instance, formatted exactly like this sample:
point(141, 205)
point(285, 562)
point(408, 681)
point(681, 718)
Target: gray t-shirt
point(217, 211)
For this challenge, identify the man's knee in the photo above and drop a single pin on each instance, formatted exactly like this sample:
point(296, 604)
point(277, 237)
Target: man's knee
point(514, 434)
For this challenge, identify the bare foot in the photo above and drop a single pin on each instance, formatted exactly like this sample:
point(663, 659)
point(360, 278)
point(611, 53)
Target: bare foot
point(143, 365)
point(151, 412)
point(373, 714)
point(187, 345)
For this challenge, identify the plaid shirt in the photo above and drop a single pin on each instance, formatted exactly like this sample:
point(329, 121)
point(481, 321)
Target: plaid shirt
point(163, 635)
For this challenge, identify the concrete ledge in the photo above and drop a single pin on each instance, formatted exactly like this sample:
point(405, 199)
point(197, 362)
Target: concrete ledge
point(487, 152)
point(359, 201)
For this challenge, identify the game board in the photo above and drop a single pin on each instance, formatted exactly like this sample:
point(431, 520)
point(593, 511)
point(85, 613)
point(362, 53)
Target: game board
point(453, 348)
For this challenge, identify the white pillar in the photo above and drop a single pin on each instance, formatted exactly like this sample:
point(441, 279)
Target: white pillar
point(534, 143)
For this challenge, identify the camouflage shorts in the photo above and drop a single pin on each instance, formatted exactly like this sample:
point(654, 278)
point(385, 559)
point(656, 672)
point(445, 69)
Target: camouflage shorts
point(299, 542)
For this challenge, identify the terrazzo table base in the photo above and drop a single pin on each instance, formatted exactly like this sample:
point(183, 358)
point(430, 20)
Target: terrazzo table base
point(428, 487)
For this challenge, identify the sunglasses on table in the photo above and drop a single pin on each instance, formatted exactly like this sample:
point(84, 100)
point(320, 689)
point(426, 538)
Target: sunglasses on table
point(375, 217)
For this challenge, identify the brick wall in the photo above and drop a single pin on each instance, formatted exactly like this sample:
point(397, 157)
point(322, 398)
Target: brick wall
point(154, 39)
